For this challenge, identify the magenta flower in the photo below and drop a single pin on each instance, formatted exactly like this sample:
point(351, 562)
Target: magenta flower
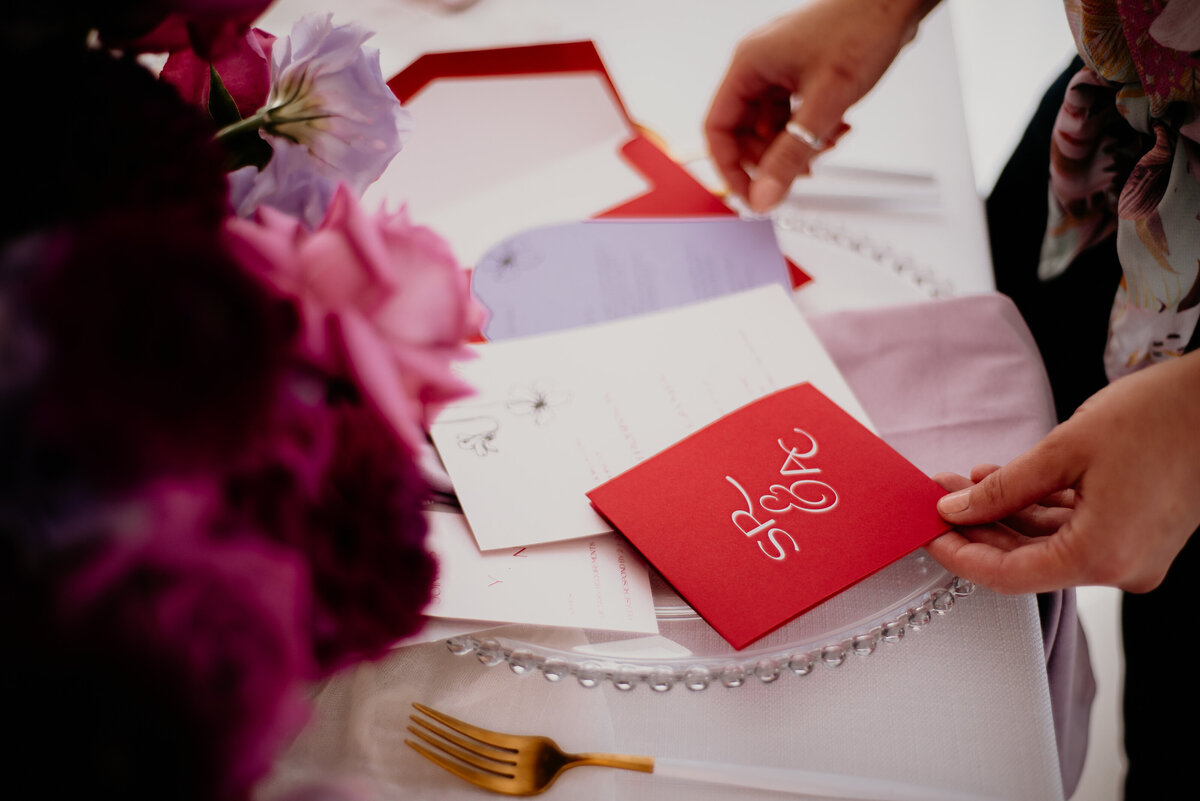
point(245, 70)
point(382, 301)
point(210, 27)
point(169, 663)
point(132, 26)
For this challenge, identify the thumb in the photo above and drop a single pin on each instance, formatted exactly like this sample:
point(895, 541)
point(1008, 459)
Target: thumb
point(1022, 482)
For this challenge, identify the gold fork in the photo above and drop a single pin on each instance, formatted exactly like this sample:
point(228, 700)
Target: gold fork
point(505, 763)
point(514, 764)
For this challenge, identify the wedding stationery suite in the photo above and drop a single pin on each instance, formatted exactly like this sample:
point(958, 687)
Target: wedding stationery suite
point(595, 583)
point(561, 276)
point(555, 415)
point(772, 509)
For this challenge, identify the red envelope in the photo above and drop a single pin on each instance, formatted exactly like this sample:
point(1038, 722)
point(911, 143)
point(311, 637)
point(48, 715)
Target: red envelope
point(772, 509)
point(539, 59)
point(673, 193)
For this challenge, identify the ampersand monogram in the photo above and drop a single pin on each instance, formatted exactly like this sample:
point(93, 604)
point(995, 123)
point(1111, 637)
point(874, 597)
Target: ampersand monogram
point(806, 495)
point(803, 495)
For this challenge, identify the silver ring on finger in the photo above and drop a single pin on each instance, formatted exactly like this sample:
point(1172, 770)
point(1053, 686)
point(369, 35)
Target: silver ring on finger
point(804, 135)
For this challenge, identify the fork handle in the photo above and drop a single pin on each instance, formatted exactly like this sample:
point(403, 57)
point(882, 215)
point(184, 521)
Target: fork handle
point(644, 764)
point(806, 783)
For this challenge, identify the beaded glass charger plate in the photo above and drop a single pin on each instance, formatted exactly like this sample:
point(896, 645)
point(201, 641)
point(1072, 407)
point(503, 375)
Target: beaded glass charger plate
point(880, 610)
point(877, 612)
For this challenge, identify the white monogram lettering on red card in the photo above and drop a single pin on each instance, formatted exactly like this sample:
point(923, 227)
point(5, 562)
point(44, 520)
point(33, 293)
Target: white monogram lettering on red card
point(803, 495)
point(816, 502)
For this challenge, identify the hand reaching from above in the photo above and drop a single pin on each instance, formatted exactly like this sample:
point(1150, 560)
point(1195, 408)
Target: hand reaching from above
point(828, 54)
point(1108, 497)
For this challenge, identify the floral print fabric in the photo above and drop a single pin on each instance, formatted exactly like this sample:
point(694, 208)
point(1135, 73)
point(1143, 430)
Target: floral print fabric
point(1125, 156)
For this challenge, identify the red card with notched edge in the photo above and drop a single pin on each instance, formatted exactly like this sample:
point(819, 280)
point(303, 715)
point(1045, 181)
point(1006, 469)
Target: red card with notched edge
point(673, 191)
point(772, 509)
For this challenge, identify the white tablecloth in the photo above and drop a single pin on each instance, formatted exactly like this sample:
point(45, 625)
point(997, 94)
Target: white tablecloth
point(962, 704)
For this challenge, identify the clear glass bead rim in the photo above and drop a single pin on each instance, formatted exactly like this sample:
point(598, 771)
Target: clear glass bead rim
point(922, 277)
point(663, 674)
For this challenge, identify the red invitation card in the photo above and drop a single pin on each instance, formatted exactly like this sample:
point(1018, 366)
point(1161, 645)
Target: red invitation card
point(772, 509)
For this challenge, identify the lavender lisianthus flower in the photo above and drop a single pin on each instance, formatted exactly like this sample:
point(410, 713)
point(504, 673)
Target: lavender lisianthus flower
point(291, 182)
point(328, 94)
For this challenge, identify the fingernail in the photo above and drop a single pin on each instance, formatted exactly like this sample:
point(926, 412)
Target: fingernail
point(765, 194)
point(955, 502)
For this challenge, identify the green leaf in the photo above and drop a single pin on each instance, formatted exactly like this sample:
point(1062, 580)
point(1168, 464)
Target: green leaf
point(239, 137)
point(221, 106)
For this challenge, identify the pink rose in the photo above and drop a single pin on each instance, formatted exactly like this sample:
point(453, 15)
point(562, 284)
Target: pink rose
point(383, 302)
point(245, 69)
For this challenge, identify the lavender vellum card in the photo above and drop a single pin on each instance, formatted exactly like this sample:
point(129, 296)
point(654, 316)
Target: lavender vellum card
point(555, 415)
point(562, 276)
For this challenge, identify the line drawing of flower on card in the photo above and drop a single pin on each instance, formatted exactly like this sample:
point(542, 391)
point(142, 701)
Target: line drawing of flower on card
point(538, 399)
point(509, 259)
point(480, 440)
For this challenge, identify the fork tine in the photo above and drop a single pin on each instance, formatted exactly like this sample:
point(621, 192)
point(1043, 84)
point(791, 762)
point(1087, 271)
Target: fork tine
point(490, 781)
point(495, 739)
point(500, 767)
point(470, 744)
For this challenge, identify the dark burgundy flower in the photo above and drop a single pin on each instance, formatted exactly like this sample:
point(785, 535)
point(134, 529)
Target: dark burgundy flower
point(334, 482)
point(88, 133)
point(162, 353)
point(37, 483)
point(31, 28)
point(164, 663)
